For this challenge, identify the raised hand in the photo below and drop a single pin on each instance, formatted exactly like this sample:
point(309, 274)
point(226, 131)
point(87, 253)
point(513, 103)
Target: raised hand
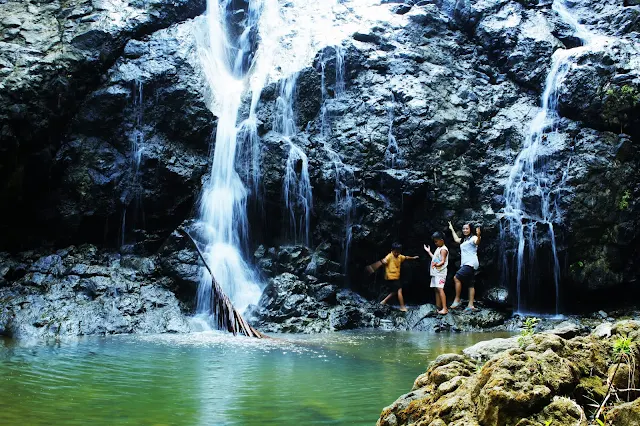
point(478, 231)
point(427, 248)
point(450, 226)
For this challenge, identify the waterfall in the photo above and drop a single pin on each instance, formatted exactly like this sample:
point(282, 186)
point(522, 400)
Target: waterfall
point(393, 150)
point(133, 193)
point(298, 197)
point(243, 46)
point(531, 199)
point(344, 203)
point(231, 63)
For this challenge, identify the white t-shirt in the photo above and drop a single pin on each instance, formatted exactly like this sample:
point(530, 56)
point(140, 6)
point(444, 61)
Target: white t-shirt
point(469, 252)
point(437, 258)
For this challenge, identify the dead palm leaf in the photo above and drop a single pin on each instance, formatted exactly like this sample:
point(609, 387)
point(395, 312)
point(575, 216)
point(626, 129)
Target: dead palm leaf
point(223, 310)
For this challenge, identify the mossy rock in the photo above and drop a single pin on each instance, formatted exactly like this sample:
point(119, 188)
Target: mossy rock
point(561, 412)
point(625, 414)
point(625, 328)
point(590, 388)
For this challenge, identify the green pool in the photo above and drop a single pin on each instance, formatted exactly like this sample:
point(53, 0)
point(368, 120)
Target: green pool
point(215, 379)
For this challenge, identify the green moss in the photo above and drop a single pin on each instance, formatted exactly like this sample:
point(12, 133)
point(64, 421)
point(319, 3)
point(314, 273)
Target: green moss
point(619, 104)
point(623, 204)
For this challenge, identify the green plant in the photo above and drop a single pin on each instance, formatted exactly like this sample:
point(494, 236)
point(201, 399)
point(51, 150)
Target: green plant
point(601, 422)
point(619, 103)
point(622, 346)
point(548, 422)
point(576, 266)
point(624, 200)
point(622, 352)
point(528, 329)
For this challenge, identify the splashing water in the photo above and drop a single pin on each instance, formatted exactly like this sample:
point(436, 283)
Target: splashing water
point(531, 196)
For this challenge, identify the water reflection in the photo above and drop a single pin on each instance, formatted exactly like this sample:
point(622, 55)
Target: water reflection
point(210, 378)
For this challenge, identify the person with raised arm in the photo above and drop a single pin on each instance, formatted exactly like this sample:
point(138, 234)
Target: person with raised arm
point(468, 263)
point(392, 264)
point(438, 270)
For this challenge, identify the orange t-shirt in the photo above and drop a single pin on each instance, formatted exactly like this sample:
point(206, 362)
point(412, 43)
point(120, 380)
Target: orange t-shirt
point(392, 267)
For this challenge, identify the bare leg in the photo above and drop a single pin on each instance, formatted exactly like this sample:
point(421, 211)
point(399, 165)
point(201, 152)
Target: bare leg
point(386, 299)
point(472, 296)
point(401, 299)
point(456, 301)
point(438, 301)
point(443, 299)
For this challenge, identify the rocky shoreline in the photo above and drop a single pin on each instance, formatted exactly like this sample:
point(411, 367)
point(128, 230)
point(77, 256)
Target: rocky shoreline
point(544, 379)
point(84, 290)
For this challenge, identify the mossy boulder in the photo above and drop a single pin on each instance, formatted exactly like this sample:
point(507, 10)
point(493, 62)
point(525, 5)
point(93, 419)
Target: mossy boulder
point(625, 414)
point(552, 381)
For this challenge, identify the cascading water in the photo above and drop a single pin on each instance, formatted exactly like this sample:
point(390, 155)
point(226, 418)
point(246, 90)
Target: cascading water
point(531, 195)
point(298, 197)
point(227, 59)
point(344, 203)
point(246, 44)
point(132, 198)
point(392, 152)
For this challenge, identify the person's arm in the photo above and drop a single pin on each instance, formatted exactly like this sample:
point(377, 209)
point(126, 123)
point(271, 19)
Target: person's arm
point(478, 236)
point(385, 260)
point(444, 254)
point(454, 234)
point(428, 250)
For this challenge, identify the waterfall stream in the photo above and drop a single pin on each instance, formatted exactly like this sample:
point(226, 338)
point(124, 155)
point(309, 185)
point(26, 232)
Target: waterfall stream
point(245, 46)
point(531, 209)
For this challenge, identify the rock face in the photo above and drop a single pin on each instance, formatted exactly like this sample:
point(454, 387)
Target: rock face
point(548, 380)
point(453, 84)
point(105, 132)
point(84, 291)
point(52, 55)
point(305, 294)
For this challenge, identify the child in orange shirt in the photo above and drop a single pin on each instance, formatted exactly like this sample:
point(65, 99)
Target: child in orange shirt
point(392, 264)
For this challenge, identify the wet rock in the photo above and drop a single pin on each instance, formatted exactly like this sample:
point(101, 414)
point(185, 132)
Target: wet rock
point(85, 291)
point(54, 54)
point(566, 330)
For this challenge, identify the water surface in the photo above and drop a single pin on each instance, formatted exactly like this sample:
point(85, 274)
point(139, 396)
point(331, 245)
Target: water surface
point(216, 379)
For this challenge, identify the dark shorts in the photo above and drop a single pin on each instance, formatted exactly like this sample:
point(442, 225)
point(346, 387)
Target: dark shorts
point(394, 285)
point(466, 274)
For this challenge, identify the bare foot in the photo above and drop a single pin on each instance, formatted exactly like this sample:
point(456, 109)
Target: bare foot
point(403, 309)
point(383, 303)
point(443, 312)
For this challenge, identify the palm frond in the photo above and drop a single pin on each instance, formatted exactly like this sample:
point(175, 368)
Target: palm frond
point(228, 318)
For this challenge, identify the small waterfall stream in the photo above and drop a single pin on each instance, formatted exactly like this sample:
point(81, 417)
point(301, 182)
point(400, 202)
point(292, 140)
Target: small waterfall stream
point(344, 175)
point(531, 195)
point(298, 197)
point(392, 152)
point(132, 198)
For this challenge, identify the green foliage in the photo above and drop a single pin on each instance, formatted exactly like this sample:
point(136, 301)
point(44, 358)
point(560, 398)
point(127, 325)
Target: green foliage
point(528, 328)
point(576, 266)
point(600, 422)
point(622, 346)
point(624, 200)
point(619, 103)
point(548, 422)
